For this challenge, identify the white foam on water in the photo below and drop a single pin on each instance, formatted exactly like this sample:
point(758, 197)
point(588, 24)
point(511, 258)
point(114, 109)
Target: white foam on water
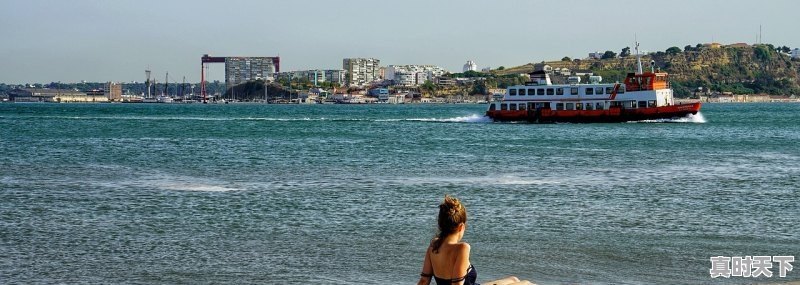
point(696, 118)
point(200, 187)
point(486, 180)
point(164, 181)
point(474, 118)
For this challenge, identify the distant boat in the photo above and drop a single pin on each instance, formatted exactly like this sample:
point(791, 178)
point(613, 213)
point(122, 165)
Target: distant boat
point(164, 99)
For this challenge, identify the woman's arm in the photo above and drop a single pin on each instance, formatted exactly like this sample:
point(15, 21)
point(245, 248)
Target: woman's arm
point(427, 269)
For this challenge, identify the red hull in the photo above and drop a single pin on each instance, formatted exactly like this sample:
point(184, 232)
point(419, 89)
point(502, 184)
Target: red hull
point(615, 114)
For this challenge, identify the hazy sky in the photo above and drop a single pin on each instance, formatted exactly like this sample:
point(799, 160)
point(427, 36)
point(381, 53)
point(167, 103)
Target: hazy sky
point(70, 41)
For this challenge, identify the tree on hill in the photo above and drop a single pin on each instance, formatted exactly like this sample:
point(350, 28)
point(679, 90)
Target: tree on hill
point(786, 49)
point(625, 52)
point(429, 86)
point(673, 50)
point(609, 54)
point(566, 58)
point(501, 68)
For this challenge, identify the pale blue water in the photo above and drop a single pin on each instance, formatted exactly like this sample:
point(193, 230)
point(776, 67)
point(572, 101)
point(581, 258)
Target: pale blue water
point(347, 194)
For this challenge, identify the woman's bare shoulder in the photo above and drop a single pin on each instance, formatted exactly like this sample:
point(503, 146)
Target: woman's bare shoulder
point(463, 247)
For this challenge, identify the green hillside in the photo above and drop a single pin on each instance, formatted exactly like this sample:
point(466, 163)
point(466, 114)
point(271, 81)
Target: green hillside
point(739, 69)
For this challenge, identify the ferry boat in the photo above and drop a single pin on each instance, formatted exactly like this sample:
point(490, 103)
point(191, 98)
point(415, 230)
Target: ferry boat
point(642, 96)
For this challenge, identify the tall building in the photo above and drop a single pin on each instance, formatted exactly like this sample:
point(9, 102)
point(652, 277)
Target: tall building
point(114, 91)
point(314, 76)
point(470, 66)
point(242, 69)
point(796, 53)
point(413, 75)
point(336, 76)
point(361, 71)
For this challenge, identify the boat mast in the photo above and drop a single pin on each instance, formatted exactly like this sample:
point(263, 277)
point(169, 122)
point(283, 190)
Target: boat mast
point(166, 84)
point(148, 82)
point(638, 58)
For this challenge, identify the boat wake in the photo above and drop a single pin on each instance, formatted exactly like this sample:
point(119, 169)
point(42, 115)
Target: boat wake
point(465, 119)
point(697, 119)
point(474, 118)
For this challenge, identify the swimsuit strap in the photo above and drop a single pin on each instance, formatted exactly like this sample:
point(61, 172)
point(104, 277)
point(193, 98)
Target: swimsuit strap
point(459, 279)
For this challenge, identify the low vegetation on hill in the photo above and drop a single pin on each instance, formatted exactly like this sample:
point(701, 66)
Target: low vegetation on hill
point(741, 69)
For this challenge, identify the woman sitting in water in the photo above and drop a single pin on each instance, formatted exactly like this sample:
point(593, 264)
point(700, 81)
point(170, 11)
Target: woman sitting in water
point(447, 257)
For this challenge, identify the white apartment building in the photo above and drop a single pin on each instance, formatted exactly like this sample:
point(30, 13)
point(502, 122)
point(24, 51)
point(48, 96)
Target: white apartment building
point(470, 66)
point(315, 76)
point(796, 53)
point(413, 75)
point(361, 71)
point(243, 69)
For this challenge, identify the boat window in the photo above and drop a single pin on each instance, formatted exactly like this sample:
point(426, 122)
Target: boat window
point(550, 91)
point(540, 91)
point(559, 91)
point(651, 104)
point(600, 106)
point(503, 107)
point(522, 106)
point(598, 91)
point(579, 106)
point(492, 107)
point(512, 107)
point(609, 90)
point(559, 106)
point(512, 92)
point(531, 92)
point(570, 106)
point(573, 91)
point(621, 89)
point(522, 92)
point(589, 107)
point(590, 91)
point(642, 104)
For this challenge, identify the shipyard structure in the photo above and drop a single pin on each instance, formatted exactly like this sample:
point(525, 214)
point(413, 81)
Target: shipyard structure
point(240, 69)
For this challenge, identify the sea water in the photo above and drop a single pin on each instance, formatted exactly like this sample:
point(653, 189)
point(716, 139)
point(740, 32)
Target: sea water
point(348, 194)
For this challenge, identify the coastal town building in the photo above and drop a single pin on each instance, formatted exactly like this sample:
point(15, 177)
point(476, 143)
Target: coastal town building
point(315, 76)
point(796, 53)
point(337, 76)
point(114, 91)
point(444, 81)
point(361, 71)
point(413, 75)
point(543, 67)
point(56, 95)
point(738, 45)
point(242, 69)
point(470, 66)
point(596, 55)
